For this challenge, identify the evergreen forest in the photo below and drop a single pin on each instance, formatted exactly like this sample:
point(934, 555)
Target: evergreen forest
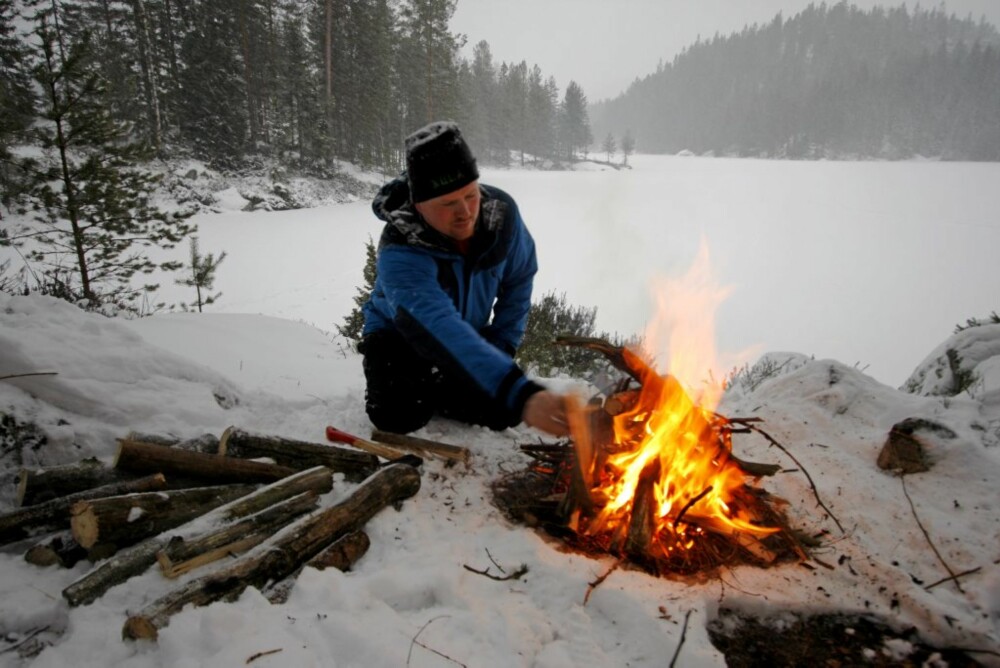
point(302, 84)
point(833, 81)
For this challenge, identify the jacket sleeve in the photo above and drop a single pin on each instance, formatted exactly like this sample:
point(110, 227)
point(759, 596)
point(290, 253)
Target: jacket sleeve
point(426, 316)
point(510, 313)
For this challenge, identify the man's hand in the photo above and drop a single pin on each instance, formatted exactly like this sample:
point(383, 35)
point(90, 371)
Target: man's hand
point(546, 411)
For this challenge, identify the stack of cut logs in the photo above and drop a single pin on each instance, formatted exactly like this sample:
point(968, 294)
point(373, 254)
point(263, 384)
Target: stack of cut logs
point(186, 504)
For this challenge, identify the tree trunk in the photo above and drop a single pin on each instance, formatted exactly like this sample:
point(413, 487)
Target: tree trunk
point(146, 457)
point(148, 69)
point(138, 558)
point(282, 555)
point(355, 465)
point(55, 514)
point(126, 520)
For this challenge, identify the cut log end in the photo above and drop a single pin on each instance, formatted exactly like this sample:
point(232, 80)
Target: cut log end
point(138, 627)
point(84, 525)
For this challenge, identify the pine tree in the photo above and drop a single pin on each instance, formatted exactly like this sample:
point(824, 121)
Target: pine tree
point(95, 215)
point(202, 275)
point(427, 62)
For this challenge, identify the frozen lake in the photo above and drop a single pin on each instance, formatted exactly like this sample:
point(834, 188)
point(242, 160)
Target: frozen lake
point(869, 263)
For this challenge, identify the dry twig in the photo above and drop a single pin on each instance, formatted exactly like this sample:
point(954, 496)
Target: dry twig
point(913, 509)
point(591, 586)
point(26, 375)
point(804, 471)
point(430, 649)
point(953, 577)
point(677, 652)
point(31, 634)
point(262, 654)
point(521, 570)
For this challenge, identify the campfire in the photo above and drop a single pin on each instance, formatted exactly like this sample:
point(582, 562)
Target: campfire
point(650, 474)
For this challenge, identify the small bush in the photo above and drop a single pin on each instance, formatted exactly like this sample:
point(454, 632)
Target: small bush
point(992, 319)
point(548, 318)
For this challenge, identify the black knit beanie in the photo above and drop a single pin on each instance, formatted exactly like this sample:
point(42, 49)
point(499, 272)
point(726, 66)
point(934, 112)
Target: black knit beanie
point(438, 161)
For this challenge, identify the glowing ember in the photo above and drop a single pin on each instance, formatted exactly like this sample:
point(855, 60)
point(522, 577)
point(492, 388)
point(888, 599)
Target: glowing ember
point(667, 478)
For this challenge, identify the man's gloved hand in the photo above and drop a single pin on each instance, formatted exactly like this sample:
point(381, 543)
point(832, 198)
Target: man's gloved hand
point(546, 410)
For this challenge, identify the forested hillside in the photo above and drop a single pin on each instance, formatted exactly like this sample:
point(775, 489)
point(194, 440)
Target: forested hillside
point(832, 81)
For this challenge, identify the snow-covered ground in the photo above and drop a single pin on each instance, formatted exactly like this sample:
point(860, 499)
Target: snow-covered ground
point(896, 246)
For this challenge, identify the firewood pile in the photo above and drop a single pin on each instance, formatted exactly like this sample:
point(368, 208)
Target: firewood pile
point(181, 506)
point(618, 486)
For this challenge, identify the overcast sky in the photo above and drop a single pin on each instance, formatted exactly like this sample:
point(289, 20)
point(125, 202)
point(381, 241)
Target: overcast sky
point(604, 45)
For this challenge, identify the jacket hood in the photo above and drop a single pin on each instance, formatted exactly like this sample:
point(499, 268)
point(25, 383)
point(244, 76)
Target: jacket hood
point(392, 197)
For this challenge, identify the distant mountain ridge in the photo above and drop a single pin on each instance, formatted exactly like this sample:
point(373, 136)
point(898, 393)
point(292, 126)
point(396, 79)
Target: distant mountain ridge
point(831, 82)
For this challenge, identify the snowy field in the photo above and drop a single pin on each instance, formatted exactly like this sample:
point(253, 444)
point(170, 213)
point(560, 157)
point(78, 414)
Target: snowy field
point(868, 263)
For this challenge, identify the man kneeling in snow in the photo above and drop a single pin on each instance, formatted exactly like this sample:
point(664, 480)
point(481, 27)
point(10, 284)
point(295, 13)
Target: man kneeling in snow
point(452, 253)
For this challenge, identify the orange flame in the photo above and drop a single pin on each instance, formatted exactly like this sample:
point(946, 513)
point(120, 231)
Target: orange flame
point(671, 434)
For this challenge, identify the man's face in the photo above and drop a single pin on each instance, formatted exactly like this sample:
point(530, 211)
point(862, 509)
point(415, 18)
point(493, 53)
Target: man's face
point(453, 214)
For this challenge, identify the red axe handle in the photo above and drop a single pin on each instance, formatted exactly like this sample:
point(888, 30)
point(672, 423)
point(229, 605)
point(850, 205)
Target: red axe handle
point(384, 451)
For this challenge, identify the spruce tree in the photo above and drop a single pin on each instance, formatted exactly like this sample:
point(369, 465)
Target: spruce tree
point(95, 216)
point(17, 99)
point(575, 123)
point(354, 322)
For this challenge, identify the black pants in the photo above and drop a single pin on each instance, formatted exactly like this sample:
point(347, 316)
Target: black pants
point(404, 390)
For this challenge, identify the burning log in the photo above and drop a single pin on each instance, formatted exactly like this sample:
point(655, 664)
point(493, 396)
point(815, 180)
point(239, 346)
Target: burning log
point(138, 558)
point(54, 514)
point(297, 455)
point(651, 478)
point(125, 520)
point(280, 556)
point(642, 522)
point(422, 446)
point(148, 457)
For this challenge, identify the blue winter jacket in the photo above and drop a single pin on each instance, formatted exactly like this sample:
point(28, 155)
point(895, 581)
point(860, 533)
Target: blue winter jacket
point(441, 301)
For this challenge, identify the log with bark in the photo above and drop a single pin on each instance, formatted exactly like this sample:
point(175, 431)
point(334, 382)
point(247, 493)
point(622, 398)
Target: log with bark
point(280, 556)
point(206, 443)
point(342, 554)
point(298, 455)
point(149, 457)
point(181, 555)
point(126, 520)
point(36, 486)
point(136, 559)
point(55, 514)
